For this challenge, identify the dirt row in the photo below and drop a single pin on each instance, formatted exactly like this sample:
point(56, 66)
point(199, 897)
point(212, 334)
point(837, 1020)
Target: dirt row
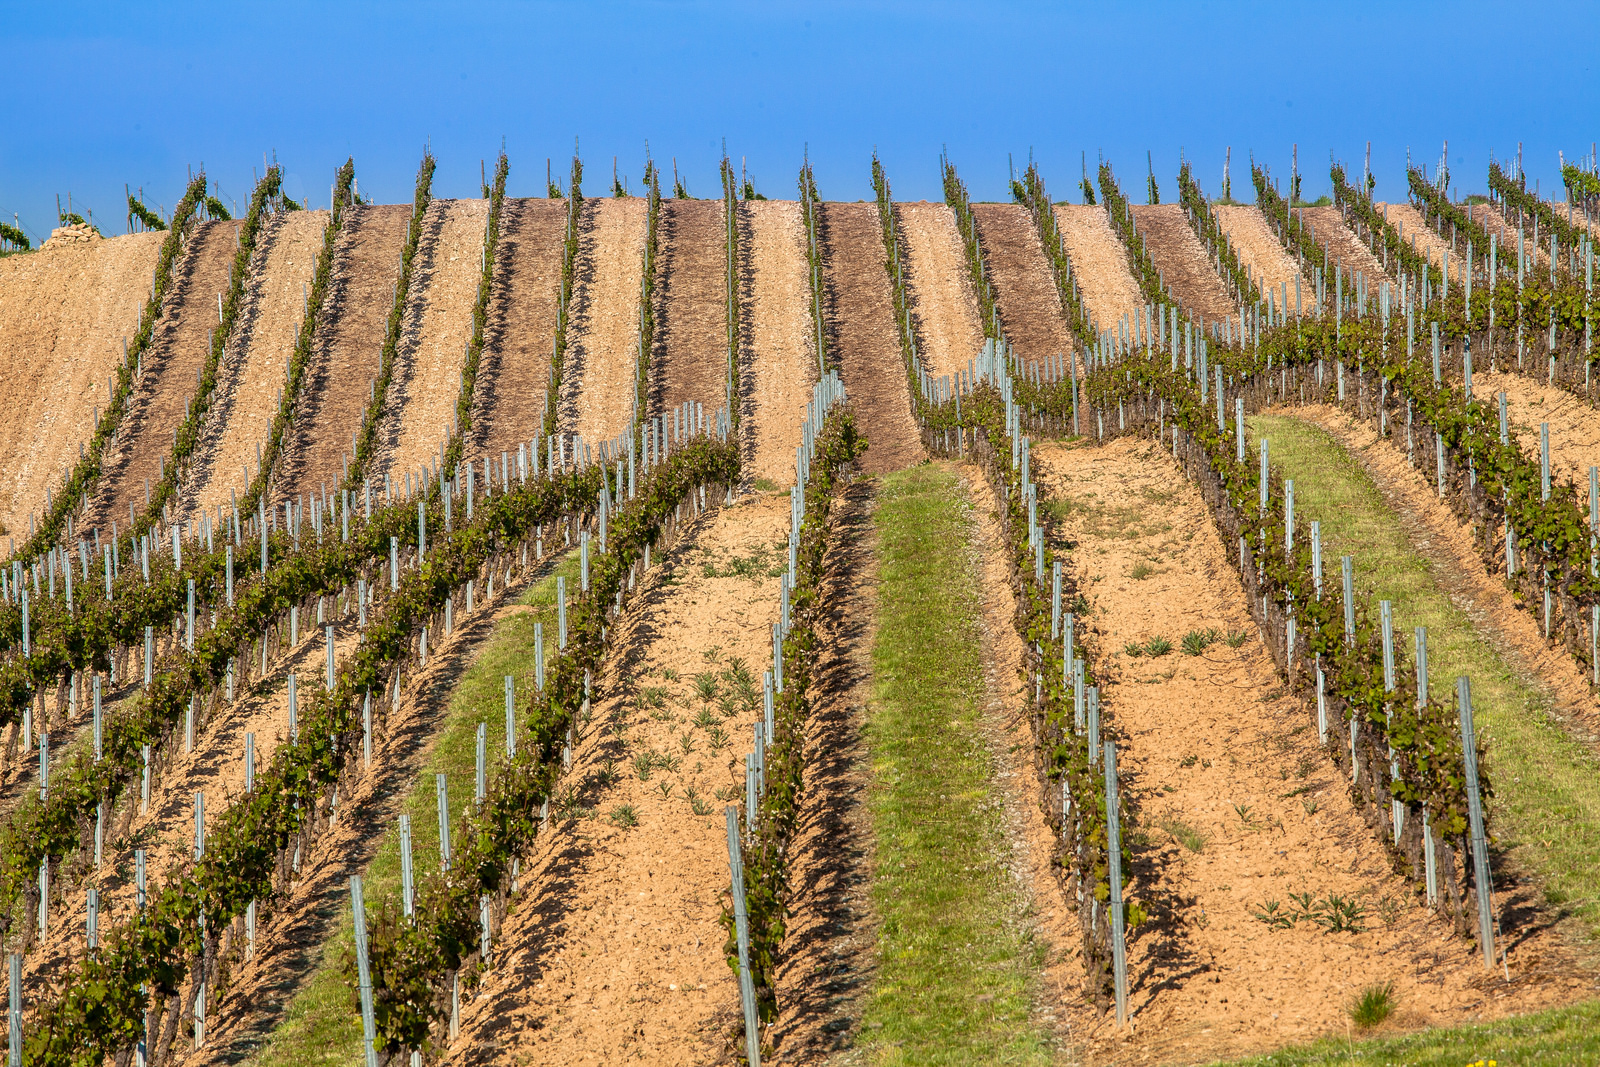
point(1100, 265)
point(1258, 248)
point(777, 337)
point(1024, 288)
point(420, 410)
point(863, 339)
point(1183, 263)
point(599, 375)
point(1416, 232)
point(1490, 218)
point(1343, 247)
point(1574, 425)
point(616, 950)
point(519, 334)
point(172, 365)
point(256, 362)
point(943, 306)
point(689, 353)
point(64, 313)
point(1232, 805)
point(348, 347)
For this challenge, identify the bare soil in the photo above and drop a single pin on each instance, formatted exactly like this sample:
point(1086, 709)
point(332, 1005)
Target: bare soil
point(256, 360)
point(215, 766)
point(1030, 308)
point(777, 336)
point(943, 306)
point(601, 365)
point(172, 365)
point(519, 335)
point(1100, 264)
point(1213, 752)
point(64, 312)
point(1574, 425)
point(689, 354)
point(420, 410)
point(1329, 230)
point(1259, 248)
point(615, 950)
point(830, 944)
point(349, 343)
point(863, 340)
point(1416, 232)
point(1182, 261)
point(1490, 218)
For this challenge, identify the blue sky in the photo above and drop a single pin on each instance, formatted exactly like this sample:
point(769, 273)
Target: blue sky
point(98, 95)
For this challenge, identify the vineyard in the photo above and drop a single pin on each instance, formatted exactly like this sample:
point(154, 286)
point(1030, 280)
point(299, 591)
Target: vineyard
point(594, 627)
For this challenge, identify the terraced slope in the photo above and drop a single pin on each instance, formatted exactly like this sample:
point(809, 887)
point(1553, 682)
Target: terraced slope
point(177, 353)
point(1030, 309)
point(1260, 250)
point(64, 312)
point(944, 308)
point(514, 370)
point(349, 343)
point(777, 337)
point(1100, 264)
point(256, 362)
point(1183, 263)
point(420, 410)
point(597, 388)
point(689, 357)
point(863, 339)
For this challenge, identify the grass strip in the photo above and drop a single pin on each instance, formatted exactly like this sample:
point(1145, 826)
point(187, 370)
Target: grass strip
point(956, 977)
point(1547, 803)
point(323, 1023)
point(1561, 1037)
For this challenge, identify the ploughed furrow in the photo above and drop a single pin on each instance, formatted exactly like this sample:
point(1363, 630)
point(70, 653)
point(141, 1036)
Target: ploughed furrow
point(615, 951)
point(519, 334)
point(1270, 266)
point(1030, 308)
point(943, 306)
point(1343, 247)
point(177, 352)
point(863, 340)
point(1240, 813)
point(1182, 261)
point(420, 410)
point(65, 312)
point(349, 345)
point(600, 370)
point(1100, 265)
point(213, 764)
point(777, 337)
point(256, 363)
point(1574, 428)
point(689, 356)
point(1416, 232)
point(1490, 218)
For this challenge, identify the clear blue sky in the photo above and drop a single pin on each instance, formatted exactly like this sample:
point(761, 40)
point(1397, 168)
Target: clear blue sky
point(98, 95)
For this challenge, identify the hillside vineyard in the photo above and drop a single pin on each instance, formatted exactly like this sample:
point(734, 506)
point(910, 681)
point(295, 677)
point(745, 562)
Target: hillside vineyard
point(618, 625)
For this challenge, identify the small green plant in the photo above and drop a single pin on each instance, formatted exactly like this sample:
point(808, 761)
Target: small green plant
point(1141, 572)
point(624, 816)
point(705, 687)
point(665, 789)
point(686, 742)
point(1237, 638)
point(699, 807)
point(1373, 1006)
point(1310, 804)
point(1189, 761)
point(669, 674)
point(712, 655)
point(1133, 648)
point(1157, 646)
point(719, 739)
point(1183, 833)
point(607, 775)
point(643, 764)
point(704, 719)
point(1245, 816)
point(1197, 641)
point(1080, 605)
point(727, 793)
point(1341, 914)
point(1270, 913)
